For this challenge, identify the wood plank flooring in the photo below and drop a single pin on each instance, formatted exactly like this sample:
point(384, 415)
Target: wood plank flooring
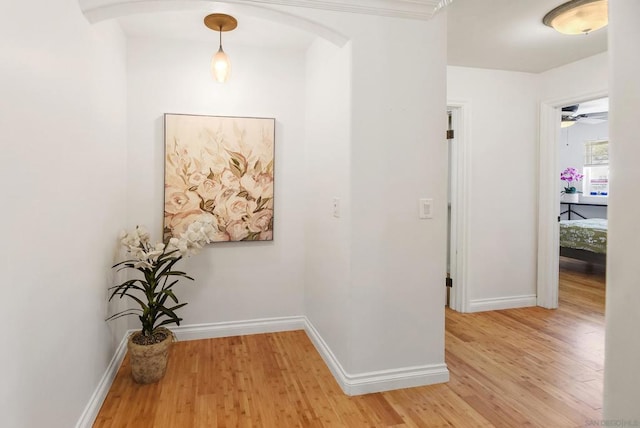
point(527, 367)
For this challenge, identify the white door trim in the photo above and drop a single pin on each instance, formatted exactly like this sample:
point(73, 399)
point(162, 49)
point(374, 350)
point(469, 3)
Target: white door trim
point(549, 196)
point(460, 175)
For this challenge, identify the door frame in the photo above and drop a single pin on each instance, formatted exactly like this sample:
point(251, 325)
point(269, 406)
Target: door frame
point(460, 176)
point(549, 196)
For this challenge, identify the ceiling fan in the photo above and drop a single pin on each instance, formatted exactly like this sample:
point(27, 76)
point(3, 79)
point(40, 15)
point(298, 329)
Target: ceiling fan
point(572, 115)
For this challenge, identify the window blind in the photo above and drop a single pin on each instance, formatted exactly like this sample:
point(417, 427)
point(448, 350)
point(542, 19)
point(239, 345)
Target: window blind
point(596, 153)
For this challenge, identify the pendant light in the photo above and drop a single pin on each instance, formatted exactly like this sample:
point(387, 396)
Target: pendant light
point(578, 16)
point(220, 64)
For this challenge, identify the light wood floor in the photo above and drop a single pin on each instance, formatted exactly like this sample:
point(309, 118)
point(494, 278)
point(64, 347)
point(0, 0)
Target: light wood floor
point(526, 367)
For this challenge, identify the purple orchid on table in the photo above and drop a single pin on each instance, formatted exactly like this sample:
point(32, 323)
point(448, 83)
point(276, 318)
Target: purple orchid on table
point(570, 175)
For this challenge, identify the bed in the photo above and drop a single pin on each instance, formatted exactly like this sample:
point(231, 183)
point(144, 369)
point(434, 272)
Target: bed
point(584, 239)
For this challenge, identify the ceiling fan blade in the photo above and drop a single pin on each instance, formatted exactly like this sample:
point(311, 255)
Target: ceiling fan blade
point(600, 115)
point(590, 120)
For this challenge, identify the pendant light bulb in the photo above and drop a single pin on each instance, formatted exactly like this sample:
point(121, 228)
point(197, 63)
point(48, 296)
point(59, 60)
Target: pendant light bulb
point(221, 66)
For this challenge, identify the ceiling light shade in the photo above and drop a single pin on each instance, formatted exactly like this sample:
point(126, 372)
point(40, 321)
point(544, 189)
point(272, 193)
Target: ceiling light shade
point(220, 64)
point(578, 16)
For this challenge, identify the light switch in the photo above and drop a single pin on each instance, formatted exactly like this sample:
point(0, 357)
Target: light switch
point(336, 207)
point(426, 208)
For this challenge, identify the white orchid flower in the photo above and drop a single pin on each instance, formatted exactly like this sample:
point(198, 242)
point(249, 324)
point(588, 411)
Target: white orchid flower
point(137, 253)
point(142, 264)
point(156, 252)
point(143, 234)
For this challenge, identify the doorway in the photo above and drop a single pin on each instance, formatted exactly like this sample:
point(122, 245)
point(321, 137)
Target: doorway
point(584, 172)
point(549, 200)
point(457, 223)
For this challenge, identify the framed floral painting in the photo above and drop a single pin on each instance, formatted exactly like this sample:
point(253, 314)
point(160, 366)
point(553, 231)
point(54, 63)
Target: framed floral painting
point(222, 166)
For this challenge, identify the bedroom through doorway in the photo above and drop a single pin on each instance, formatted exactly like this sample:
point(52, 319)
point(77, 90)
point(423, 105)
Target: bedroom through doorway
point(583, 161)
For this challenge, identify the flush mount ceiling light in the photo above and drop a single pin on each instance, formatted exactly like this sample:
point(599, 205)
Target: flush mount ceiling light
point(578, 16)
point(220, 64)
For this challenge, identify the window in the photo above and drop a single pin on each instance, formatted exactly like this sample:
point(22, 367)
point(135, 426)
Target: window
point(596, 168)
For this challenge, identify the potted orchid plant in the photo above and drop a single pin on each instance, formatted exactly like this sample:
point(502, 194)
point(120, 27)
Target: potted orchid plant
point(570, 176)
point(152, 290)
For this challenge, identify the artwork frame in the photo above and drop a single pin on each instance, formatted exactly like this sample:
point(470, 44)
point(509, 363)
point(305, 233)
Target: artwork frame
point(223, 166)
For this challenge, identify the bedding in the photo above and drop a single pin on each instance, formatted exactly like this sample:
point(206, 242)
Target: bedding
point(588, 234)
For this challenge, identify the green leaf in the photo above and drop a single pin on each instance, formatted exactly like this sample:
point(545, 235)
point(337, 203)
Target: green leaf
point(140, 302)
point(165, 265)
point(129, 263)
point(124, 288)
point(167, 287)
point(169, 312)
point(177, 307)
point(124, 313)
point(162, 299)
point(128, 282)
point(170, 321)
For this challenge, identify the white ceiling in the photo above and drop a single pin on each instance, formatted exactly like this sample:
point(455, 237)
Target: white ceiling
point(189, 25)
point(497, 34)
point(510, 35)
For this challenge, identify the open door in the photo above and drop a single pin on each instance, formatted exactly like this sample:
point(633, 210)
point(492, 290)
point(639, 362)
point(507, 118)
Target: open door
point(457, 203)
point(450, 247)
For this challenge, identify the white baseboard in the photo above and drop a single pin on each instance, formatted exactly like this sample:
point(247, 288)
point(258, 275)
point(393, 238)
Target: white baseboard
point(407, 377)
point(238, 328)
point(95, 402)
point(378, 381)
point(512, 302)
point(362, 383)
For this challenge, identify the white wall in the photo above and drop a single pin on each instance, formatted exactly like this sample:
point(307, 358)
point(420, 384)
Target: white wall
point(395, 317)
point(622, 351)
point(63, 165)
point(233, 281)
point(327, 239)
point(65, 125)
point(398, 155)
point(502, 207)
point(585, 78)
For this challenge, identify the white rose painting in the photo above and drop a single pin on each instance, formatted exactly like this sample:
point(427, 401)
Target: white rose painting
point(222, 166)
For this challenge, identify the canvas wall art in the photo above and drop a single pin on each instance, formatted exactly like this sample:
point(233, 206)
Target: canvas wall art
point(222, 166)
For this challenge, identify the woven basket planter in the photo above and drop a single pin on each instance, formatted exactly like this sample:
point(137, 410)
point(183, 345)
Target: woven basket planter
point(149, 362)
